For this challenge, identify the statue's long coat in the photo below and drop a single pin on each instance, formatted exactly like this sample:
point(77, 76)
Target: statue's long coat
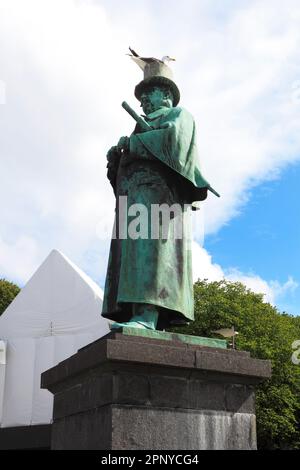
point(161, 168)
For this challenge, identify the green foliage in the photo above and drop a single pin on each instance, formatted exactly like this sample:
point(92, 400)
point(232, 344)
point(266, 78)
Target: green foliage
point(8, 292)
point(267, 334)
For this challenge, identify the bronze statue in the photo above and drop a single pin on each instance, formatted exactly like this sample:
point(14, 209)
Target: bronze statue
point(149, 277)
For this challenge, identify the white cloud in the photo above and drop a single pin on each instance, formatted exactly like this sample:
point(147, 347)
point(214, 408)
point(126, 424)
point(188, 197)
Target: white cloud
point(66, 74)
point(282, 289)
point(205, 268)
point(18, 260)
point(248, 120)
point(254, 283)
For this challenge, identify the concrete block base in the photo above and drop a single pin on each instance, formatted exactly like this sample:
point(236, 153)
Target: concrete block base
point(129, 392)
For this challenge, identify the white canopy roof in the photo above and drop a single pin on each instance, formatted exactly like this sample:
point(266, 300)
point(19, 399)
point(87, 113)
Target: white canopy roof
point(59, 299)
point(56, 313)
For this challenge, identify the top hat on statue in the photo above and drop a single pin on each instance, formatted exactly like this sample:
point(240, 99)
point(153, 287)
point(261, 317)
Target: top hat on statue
point(156, 73)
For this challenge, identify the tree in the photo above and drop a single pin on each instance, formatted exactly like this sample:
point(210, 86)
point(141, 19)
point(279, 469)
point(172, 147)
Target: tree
point(8, 292)
point(267, 334)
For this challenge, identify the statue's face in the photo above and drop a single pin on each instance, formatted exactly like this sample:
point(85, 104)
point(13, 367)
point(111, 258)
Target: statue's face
point(152, 99)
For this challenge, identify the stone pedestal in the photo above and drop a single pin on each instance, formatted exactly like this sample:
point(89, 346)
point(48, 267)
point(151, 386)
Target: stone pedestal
point(133, 392)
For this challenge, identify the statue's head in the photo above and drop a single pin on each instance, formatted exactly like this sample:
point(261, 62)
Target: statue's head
point(154, 97)
point(157, 89)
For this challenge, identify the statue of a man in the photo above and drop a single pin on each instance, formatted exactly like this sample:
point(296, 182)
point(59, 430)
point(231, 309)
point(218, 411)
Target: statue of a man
point(149, 279)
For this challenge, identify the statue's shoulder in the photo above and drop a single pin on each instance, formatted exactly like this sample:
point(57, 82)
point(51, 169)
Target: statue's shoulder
point(178, 111)
point(181, 113)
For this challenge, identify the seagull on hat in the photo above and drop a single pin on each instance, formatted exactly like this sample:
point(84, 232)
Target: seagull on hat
point(143, 61)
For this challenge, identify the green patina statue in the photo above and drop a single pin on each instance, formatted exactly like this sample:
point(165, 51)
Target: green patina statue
point(149, 276)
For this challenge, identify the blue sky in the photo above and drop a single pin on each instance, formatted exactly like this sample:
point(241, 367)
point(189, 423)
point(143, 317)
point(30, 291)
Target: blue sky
point(63, 75)
point(264, 238)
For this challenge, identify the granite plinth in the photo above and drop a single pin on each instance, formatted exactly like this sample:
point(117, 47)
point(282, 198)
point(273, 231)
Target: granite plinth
point(167, 336)
point(134, 392)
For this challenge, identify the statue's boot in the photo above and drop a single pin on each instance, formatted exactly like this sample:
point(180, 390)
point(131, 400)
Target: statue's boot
point(146, 317)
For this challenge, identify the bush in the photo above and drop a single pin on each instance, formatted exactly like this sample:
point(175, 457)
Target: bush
point(267, 334)
point(8, 292)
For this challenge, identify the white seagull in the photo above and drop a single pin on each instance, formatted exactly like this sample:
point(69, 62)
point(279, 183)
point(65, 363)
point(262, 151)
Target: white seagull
point(227, 332)
point(143, 61)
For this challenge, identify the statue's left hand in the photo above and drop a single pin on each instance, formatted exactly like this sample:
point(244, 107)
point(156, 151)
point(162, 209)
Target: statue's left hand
point(123, 144)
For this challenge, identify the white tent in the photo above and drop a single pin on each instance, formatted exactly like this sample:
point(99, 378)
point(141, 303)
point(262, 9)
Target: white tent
point(55, 314)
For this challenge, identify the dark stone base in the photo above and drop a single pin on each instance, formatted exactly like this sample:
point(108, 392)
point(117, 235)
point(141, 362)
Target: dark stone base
point(123, 427)
point(35, 437)
point(127, 392)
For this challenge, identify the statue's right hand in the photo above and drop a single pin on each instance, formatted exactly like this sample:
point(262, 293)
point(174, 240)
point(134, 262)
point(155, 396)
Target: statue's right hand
point(112, 153)
point(113, 159)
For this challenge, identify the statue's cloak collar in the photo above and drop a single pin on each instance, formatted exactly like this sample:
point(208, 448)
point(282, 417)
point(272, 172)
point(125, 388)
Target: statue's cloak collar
point(162, 111)
point(173, 141)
